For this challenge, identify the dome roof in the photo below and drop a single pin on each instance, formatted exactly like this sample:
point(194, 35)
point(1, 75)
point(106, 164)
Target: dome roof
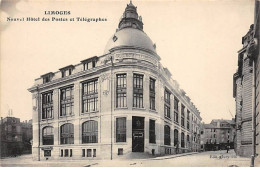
point(130, 37)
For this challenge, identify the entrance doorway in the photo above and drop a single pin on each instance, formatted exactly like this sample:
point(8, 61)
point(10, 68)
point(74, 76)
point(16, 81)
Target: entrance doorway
point(137, 134)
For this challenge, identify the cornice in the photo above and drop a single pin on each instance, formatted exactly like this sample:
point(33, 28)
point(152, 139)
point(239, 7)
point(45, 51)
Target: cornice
point(112, 50)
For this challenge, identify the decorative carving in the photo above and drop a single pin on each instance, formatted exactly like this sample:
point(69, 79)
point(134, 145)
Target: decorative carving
point(105, 92)
point(252, 47)
point(162, 98)
point(107, 59)
point(121, 57)
point(105, 76)
point(118, 58)
point(34, 96)
point(114, 38)
point(55, 91)
point(34, 108)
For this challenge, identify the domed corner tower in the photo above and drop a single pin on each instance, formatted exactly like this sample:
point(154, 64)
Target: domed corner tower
point(130, 35)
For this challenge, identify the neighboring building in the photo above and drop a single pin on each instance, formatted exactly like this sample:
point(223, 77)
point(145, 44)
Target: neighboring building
point(27, 136)
point(246, 91)
point(112, 105)
point(15, 136)
point(257, 81)
point(243, 81)
point(218, 135)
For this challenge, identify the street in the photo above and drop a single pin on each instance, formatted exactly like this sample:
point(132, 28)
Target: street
point(203, 159)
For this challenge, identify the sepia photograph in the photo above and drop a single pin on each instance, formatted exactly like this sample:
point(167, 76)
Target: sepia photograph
point(129, 83)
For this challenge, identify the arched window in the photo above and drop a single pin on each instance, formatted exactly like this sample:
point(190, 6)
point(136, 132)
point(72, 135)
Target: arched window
point(167, 135)
point(176, 138)
point(67, 134)
point(182, 140)
point(47, 135)
point(90, 132)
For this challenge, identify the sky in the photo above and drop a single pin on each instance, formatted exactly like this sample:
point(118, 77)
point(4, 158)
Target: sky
point(197, 41)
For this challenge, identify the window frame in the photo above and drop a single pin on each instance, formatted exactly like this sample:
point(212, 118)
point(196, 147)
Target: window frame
point(47, 105)
point(152, 132)
point(176, 110)
point(67, 137)
point(91, 131)
point(167, 103)
point(182, 115)
point(121, 90)
point(152, 93)
point(167, 136)
point(90, 96)
point(67, 101)
point(121, 133)
point(138, 96)
point(46, 135)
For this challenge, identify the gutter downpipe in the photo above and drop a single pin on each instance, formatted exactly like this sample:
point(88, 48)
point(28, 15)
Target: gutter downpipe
point(253, 118)
point(254, 91)
point(39, 132)
point(111, 105)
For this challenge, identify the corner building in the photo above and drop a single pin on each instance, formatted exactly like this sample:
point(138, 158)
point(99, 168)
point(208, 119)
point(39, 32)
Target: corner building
point(119, 104)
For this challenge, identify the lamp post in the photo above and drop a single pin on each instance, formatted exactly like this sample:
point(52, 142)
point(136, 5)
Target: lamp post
point(111, 104)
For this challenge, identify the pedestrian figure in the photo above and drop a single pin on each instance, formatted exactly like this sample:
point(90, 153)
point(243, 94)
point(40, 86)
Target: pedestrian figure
point(227, 149)
point(177, 148)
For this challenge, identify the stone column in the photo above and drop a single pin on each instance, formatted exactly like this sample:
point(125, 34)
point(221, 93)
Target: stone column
point(146, 90)
point(77, 112)
point(56, 116)
point(129, 92)
point(35, 125)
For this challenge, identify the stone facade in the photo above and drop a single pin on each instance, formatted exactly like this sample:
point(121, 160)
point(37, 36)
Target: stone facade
point(15, 137)
point(218, 135)
point(246, 92)
point(257, 81)
point(132, 104)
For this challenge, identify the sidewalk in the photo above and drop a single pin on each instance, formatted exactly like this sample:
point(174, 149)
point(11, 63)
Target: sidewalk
point(173, 156)
point(26, 161)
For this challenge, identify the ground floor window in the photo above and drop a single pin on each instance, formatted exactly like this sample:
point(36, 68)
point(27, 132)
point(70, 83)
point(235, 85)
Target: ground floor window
point(121, 129)
point(47, 153)
point(167, 135)
point(182, 140)
point(152, 137)
point(66, 153)
point(168, 151)
point(120, 151)
point(89, 152)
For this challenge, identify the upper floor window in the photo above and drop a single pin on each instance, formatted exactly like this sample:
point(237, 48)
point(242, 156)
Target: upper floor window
point(67, 134)
point(176, 110)
point(188, 119)
point(90, 132)
point(152, 94)
point(47, 135)
point(121, 90)
point(67, 101)
point(47, 77)
point(167, 135)
point(167, 104)
point(182, 115)
point(138, 91)
point(90, 96)
point(47, 105)
point(66, 71)
point(152, 137)
point(121, 129)
point(90, 63)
